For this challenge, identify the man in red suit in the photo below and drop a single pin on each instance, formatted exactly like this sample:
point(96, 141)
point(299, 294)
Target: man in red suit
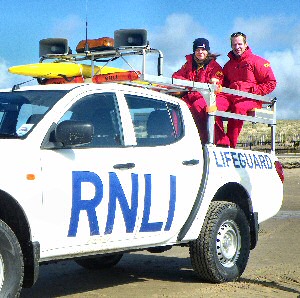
point(246, 72)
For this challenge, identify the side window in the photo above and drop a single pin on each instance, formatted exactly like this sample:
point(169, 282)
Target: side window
point(29, 115)
point(99, 110)
point(155, 122)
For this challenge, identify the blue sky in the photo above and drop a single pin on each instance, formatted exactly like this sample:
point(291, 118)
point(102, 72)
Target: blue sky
point(272, 27)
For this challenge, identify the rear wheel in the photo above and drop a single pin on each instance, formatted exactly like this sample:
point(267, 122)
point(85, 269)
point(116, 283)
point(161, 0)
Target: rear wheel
point(221, 251)
point(100, 262)
point(11, 263)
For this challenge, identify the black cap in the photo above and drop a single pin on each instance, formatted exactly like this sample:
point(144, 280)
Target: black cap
point(201, 43)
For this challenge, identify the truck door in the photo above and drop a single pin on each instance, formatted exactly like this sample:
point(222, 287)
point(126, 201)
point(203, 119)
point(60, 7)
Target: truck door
point(169, 162)
point(83, 185)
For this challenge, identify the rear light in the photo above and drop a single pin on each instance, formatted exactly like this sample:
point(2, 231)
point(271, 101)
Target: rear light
point(279, 170)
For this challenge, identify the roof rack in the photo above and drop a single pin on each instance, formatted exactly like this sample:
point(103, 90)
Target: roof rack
point(127, 42)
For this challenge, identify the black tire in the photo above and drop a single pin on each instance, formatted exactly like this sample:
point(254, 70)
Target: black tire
point(221, 252)
point(99, 262)
point(11, 263)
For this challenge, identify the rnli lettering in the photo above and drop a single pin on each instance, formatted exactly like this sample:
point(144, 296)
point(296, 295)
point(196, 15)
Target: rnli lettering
point(228, 159)
point(116, 193)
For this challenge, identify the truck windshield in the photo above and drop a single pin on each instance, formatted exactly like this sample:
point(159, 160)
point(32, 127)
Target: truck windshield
point(21, 110)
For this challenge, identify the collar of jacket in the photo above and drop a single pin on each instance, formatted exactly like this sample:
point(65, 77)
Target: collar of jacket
point(193, 64)
point(245, 55)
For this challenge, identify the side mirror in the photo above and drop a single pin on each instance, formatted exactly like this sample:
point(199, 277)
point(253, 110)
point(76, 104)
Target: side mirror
point(72, 133)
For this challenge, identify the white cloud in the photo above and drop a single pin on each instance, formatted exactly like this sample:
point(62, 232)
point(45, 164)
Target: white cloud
point(71, 27)
point(256, 29)
point(66, 26)
point(175, 39)
point(6, 79)
point(269, 32)
point(286, 67)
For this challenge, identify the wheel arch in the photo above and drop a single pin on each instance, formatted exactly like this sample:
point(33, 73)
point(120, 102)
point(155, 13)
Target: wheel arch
point(14, 216)
point(236, 193)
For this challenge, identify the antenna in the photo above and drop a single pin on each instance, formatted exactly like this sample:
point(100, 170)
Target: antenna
point(86, 26)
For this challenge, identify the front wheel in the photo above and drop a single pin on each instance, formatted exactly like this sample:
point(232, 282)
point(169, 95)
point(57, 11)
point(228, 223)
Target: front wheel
point(221, 251)
point(11, 263)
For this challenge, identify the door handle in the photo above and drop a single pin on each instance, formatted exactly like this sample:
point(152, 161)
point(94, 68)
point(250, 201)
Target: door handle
point(191, 162)
point(129, 165)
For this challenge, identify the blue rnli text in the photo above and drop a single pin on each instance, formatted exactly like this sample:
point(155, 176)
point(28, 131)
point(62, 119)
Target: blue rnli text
point(116, 193)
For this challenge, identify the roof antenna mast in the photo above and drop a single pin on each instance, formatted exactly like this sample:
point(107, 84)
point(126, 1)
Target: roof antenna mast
point(86, 26)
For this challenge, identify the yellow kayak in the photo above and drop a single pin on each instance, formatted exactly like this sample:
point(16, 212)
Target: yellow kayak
point(59, 70)
point(87, 70)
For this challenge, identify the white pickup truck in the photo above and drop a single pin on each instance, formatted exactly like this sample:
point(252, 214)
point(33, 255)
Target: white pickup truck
point(92, 171)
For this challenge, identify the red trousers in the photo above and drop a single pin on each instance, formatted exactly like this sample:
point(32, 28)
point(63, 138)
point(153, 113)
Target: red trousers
point(198, 110)
point(238, 105)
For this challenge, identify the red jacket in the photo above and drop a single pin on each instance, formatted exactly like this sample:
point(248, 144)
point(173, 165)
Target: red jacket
point(203, 75)
point(249, 73)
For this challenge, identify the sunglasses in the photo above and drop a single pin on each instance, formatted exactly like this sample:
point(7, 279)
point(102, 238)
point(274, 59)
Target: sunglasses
point(236, 34)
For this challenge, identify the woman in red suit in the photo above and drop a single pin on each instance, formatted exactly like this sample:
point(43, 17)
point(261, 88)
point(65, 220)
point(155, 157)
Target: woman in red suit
point(201, 66)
